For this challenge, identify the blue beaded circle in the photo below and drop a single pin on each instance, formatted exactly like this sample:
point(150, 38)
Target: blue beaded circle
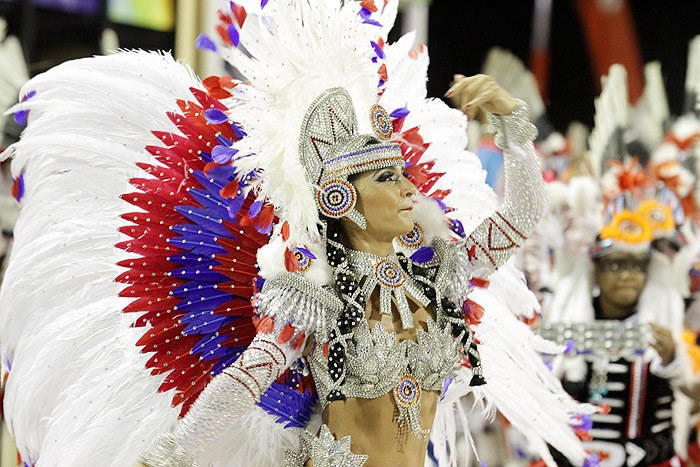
point(407, 392)
point(336, 198)
point(412, 239)
point(302, 257)
point(381, 122)
point(389, 273)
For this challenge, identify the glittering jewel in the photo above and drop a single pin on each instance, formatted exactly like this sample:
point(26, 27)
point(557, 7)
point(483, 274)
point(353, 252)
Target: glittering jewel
point(386, 274)
point(412, 239)
point(381, 123)
point(336, 198)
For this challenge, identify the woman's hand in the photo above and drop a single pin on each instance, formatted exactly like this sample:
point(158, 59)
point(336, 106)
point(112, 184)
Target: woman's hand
point(480, 92)
point(662, 341)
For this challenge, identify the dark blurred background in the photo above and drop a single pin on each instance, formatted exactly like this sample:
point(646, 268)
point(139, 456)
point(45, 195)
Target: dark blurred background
point(462, 31)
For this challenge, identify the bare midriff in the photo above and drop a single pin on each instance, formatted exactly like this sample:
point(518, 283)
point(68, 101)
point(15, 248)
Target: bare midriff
point(370, 423)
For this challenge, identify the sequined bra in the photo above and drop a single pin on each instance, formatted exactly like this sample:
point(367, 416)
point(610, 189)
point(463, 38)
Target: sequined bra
point(376, 362)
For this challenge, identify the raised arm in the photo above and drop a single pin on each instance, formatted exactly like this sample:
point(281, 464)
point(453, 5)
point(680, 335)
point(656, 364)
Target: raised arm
point(497, 237)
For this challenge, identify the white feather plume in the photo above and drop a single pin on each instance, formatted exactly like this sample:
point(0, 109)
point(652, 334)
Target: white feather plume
point(92, 401)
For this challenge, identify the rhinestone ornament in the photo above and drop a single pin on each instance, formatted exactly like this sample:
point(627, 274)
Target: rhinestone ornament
point(381, 123)
point(303, 258)
point(389, 274)
point(336, 198)
point(407, 392)
point(412, 239)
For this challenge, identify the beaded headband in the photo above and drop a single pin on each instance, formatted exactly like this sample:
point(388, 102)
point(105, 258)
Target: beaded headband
point(331, 150)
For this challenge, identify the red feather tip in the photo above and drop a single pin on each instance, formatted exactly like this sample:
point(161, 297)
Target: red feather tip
point(369, 4)
point(291, 262)
point(299, 340)
point(230, 190)
point(240, 13)
point(285, 231)
point(265, 325)
point(286, 334)
point(383, 74)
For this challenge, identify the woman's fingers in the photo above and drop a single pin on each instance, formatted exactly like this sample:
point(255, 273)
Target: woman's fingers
point(480, 91)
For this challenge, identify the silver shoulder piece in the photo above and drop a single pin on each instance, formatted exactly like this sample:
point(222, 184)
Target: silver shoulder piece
point(293, 299)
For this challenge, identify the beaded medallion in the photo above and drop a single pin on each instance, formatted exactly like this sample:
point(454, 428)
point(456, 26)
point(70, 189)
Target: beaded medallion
point(336, 198)
point(304, 259)
point(381, 123)
point(407, 396)
point(407, 392)
point(389, 274)
point(412, 239)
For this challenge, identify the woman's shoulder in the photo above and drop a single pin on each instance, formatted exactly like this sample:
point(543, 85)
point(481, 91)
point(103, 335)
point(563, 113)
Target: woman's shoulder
point(296, 287)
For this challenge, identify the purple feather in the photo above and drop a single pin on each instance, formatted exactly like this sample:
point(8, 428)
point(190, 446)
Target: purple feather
point(259, 282)
point(21, 117)
point(255, 209)
point(237, 131)
point(234, 206)
point(203, 42)
point(233, 35)
point(457, 227)
point(381, 83)
point(377, 50)
point(225, 141)
point(400, 113)
point(592, 461)
point(222, 154)
point(29, 96)
point(306, 252)
point(585, 422)
point(222, 173)
point(569, 346)
point(423, 255)
point(215, 116)
point(372, 22)
point(364, 13)
point(263, 3)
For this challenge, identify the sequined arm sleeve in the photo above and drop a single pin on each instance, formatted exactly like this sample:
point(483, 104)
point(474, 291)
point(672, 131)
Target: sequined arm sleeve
point(225, 400)
point(496, 238)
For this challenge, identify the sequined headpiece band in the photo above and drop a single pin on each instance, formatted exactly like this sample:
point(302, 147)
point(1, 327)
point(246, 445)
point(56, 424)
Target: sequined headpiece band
point(331, 150)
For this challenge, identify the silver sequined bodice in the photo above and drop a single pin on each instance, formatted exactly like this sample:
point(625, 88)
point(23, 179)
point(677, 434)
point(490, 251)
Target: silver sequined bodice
point(376, 362)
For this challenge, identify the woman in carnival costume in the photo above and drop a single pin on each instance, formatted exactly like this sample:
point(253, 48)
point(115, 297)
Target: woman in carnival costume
point(319, 188)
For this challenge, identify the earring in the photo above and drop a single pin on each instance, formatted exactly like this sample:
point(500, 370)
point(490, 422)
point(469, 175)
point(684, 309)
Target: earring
point(337, 199)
